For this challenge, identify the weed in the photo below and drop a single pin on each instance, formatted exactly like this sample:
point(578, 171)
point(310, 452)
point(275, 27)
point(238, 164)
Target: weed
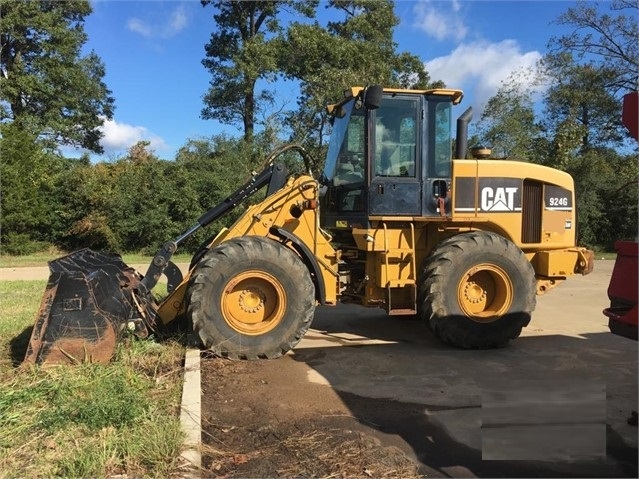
point(90, 420)
point(103, 396)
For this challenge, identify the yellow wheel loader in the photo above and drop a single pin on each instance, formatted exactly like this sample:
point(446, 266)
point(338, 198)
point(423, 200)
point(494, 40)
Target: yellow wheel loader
point(392, 222)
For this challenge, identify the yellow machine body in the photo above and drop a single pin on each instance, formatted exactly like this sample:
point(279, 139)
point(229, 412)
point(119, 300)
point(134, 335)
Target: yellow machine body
point(393, 222)
point(393, 247)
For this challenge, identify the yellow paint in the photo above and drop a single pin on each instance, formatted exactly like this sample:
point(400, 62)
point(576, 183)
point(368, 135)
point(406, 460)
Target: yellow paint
point(388, 254)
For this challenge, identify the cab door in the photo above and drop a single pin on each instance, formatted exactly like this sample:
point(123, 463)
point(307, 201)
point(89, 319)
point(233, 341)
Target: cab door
point(396, 172)
point(437, 156)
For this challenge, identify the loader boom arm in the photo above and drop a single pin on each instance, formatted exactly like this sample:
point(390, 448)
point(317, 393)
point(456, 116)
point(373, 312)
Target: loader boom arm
point(274, 175)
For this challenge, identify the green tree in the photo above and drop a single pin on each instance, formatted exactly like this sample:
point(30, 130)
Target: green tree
point(135, 203)
point(508, 123)
point(579, 101)
point(582, 122)
point(46, 86)
point(356, 48)
point(579, 130)
point(86, 218)
point(589, 69)
point(28, 177)
point(606, 191)
point(242, 51)
point(368, 50)
point(611, 40)
point(214, 168)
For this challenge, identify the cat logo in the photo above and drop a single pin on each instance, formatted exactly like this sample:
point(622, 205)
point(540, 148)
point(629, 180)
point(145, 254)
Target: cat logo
point(498, 199)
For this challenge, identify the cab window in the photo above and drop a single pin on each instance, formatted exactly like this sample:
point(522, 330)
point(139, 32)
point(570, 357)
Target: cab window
point(396, 138)
point(442, 147)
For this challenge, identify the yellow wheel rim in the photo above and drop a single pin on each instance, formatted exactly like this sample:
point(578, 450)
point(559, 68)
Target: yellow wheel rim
point(253, 303)
point(485, 293)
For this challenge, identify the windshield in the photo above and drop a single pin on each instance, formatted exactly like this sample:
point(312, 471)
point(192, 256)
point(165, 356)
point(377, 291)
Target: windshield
point(345, 157)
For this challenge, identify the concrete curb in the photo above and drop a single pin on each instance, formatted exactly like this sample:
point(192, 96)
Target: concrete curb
point(191, 414)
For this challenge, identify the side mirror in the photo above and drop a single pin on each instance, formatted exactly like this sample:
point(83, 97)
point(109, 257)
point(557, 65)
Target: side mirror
point(373, 97)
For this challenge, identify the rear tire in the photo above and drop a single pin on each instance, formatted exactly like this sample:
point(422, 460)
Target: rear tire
point(250, 298)
point(477, 291)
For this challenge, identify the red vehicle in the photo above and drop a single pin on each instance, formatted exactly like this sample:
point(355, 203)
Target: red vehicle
point(622, 290)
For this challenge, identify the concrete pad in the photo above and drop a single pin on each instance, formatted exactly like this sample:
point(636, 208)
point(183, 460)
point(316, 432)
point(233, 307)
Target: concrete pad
point(566, 365)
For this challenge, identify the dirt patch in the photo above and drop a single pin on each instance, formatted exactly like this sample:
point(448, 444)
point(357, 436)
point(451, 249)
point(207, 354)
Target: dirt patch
point(258, 422)
point(278, 419)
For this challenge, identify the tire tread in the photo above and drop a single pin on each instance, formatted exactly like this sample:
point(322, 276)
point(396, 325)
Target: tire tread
point(214, 263)
point(463, 332)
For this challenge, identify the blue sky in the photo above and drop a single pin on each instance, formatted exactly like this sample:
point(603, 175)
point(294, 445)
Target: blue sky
point(153, 50)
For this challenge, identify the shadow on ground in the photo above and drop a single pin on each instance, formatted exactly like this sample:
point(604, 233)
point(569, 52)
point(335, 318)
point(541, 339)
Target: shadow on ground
point(387, 388)
point(18, 346)
point(414, 387)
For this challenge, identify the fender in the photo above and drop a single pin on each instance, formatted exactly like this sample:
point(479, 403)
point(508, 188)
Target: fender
point(307, 256)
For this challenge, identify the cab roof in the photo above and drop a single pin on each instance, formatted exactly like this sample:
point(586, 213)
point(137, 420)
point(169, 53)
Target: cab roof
point(454, 94)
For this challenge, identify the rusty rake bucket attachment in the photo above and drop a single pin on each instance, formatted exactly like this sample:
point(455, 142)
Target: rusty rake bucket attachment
point(91, 298)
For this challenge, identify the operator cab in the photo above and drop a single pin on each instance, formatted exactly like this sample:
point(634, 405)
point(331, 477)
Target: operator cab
point(390, 156)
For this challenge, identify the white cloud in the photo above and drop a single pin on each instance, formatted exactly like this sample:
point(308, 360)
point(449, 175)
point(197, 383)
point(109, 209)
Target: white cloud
point(177, 22)
point(163, 28)
point(439, 23)
point(481, 67)
point(139, 26)
point(121, 136)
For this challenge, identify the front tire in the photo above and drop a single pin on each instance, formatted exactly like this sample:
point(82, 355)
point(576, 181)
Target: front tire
point(250, 298)
point(477, 291)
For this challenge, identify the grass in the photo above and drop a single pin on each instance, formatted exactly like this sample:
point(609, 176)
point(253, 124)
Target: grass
point(605, 255)
point(41, 259)
point(91, 420)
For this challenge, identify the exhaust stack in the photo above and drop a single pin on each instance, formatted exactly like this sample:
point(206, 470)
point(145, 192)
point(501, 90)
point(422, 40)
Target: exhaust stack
point(461, 144)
